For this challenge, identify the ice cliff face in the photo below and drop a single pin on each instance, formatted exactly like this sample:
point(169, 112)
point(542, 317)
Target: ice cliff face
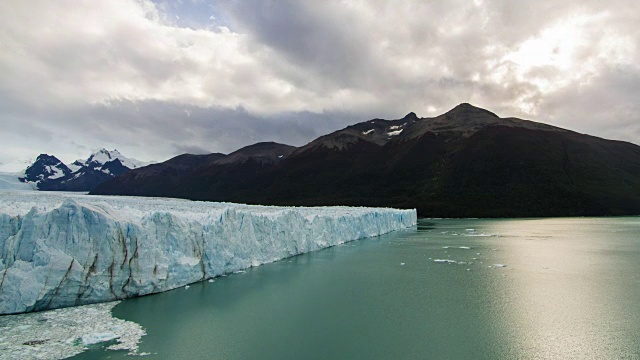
point(60, 250)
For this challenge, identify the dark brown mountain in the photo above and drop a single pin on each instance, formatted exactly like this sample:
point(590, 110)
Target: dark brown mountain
point(466, 163)
point(197, 176)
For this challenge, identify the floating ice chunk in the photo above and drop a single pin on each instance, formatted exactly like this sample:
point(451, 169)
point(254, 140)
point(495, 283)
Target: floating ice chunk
point(186, 287)
point(211, 280)
point(446, 261)
point(401, 264)
point(446, 247)
point(499, 265)
point(239, 272)
point(95, 338)
point(465, 247)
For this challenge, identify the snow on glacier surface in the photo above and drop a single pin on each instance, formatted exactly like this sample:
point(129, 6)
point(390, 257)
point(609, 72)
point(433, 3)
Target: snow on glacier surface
point(10, 181)
point(65, 249)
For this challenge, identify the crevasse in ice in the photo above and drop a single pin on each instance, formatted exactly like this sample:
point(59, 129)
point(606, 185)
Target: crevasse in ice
point(61, 249)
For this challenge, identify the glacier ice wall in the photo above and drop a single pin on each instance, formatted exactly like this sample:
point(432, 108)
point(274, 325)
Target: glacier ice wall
point(60, 250)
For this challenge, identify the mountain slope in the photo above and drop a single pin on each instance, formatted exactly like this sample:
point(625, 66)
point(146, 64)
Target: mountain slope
point(162, 179)
point(200, 176)
point(467, 162)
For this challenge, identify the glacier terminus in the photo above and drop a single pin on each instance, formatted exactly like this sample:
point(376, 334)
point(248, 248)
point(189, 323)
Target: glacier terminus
point(66, 249)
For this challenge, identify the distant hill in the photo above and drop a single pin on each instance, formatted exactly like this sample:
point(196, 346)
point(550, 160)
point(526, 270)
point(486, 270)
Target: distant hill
point(467, 162)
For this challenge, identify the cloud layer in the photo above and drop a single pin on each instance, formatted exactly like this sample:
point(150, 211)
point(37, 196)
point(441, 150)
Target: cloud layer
point(155, 79)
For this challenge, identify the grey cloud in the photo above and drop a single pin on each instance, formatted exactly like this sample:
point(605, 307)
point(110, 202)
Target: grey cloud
point(449, 43)
point(292, 70)
point(154, 130)
point(602, 108)
point(190, 149)
point(305, 34)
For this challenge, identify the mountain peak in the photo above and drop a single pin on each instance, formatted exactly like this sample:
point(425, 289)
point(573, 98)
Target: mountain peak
point(467, 109)
point(47, 158)
point(410, 116)
point(104, 156)
point(45, 167)
point(263, 152)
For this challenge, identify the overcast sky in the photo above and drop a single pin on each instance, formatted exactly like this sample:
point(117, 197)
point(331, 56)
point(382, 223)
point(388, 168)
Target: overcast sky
point(159, 78)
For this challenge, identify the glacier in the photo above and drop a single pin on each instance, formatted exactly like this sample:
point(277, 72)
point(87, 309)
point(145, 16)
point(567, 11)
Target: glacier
point(67, 249)
point(11, 181)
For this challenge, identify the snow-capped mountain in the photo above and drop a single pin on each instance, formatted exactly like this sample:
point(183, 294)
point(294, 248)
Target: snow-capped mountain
point(104, 156)
point(49, 173)
point(46, 167)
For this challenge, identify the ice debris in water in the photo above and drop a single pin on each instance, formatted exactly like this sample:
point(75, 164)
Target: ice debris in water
point(63, 333)
point(446, 261)
point(96, 338)
point(499, 265)
point(465, 247)
point(401, 264)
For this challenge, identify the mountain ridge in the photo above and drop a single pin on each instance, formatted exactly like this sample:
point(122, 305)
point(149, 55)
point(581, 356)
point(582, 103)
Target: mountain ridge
point(467, 162)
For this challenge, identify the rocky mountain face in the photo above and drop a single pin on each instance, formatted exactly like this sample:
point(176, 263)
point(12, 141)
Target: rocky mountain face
point(46, 167)
point(51, 174)
point(468, 162)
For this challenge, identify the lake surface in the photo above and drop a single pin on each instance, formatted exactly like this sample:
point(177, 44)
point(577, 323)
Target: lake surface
point(570, 290)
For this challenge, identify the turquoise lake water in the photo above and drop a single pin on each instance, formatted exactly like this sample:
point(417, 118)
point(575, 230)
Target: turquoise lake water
point(570, 290)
